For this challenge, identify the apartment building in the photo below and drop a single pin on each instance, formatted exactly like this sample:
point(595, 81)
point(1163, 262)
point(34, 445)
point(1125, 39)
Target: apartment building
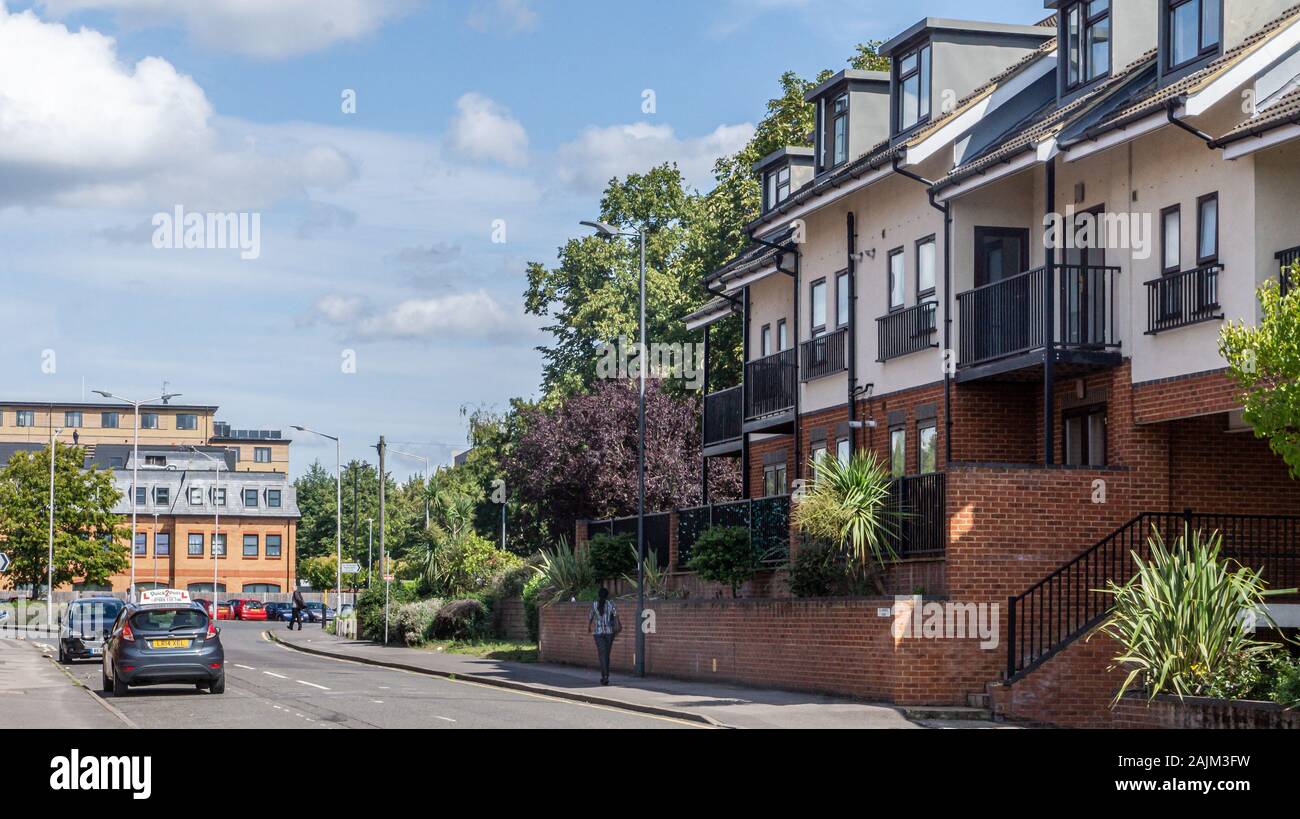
point(213, 504)
point(1003, 266)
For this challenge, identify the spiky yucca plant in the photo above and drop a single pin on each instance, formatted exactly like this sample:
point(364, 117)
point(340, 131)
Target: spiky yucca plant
point(1182, 619)
point(565, 571)
point(848, 505)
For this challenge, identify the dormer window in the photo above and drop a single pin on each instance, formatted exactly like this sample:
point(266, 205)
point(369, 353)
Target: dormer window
point(835, 132)
point(1193, 30)
point(912, 81)
point(1086, 30)
point(776, 186)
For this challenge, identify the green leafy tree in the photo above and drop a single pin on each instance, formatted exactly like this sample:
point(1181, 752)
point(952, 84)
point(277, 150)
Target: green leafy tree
point(90, 542)
point(723, 554)
point(320, 573)
point(1264, 360)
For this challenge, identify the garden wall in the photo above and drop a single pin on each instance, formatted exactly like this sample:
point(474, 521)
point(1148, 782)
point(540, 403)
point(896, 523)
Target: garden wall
point(508, 619)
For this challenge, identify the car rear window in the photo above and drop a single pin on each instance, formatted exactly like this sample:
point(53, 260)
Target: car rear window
point(169, 620)
point(93, 615)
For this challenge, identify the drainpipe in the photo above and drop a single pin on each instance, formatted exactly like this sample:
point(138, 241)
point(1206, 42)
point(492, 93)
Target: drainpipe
point(1049, 331)
point(1171, 113)
point(744, 394)
point(704, 424)
point(852, 244)
point(946, 210)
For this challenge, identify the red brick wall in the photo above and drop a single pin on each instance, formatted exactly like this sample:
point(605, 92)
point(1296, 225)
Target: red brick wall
point(1074, 689)
point(760, 448)
point(1184, 397)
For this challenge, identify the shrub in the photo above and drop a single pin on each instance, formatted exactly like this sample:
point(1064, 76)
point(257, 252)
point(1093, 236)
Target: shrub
point(848, 504)
point(411, 623)
point(461, 620)
point(370, 609)
point(1286, 681)
point(566, 572)
point(466, 566)
point(656, 580)
point(533, 590)
point(815, 572)
point(724, 555)
point(612, 556)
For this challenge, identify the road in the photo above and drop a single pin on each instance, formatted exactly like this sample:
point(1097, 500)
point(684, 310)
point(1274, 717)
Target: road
point(270, 686)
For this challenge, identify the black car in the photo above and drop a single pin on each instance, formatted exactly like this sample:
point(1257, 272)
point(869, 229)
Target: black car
point(164, 644)
point(278, 612)
point(85, 626)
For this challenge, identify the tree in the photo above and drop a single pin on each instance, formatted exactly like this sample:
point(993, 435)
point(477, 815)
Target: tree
point(725, 555)
point(317, 498)
point(90, 542)
point(321, 574)
point(1264, 360)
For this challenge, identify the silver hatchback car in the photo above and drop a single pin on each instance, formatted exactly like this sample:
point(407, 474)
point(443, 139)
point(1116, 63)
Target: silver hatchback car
point(164, 644)
point(84, 627)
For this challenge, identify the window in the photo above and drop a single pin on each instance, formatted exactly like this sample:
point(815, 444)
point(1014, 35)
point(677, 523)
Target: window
point(252, 546)
point(1171, 236)
point(774, 480)
point(141, 544)
point(782, 336)
point(219, 496)
point(26, 418)
point(1086, 31)
point(819, 452)
point(898, 452)
point(149, 420)
point(272, 545)
point(219, 545)
point(765, 343)
point(927, 452)
point(110, 420)
point(1085, 437)
point(843, 450)
point(925, 250)
point(819, 307)
point(162, 495)
point(72, 420)
point(835, 132)
point(261, 588)
point(778, 186)
point(1192, 30)
point(1000, 253)
point(162, 544)
point(842, 300)
point(250, 498)
point(897, 273)
point(262, 454)
point(141, 496)
point(195, 548)
point(273, 498)
point(912, 75)
point(186, 421)
point(155, 460)
point(1207, 229)
point(196, 496)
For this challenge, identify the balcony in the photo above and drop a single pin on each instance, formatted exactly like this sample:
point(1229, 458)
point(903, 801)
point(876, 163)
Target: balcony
point(770, 390)
point(907, 331)
point(825, 355)
point(1006, 327)
point(1286, 260)
point(1183, 299)
point(722, 422)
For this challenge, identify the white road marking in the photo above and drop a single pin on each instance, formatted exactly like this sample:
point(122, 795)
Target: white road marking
point(277, 676)
point(444, 719)
point(378, 702)
point(313, 685)
point(245, 667)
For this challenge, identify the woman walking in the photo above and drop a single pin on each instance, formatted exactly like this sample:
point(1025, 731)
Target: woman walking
point(604, 618)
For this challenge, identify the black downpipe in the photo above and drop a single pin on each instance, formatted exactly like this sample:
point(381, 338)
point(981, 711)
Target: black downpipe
point(744, 394)
point(1049, 331)
point(1171, 108)
point(704, 423)
point(853, 328)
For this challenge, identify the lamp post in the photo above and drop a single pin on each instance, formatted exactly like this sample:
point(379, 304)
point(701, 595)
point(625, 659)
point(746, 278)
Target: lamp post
point(216, 525)
point(426, 479)
point(370, 552)
point(609, 232)
point(155, 550)
point(49, 569)
point(135, 466)
point(338, 522)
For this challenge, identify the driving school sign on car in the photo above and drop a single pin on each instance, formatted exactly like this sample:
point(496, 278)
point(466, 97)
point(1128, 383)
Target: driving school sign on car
point(166, 596)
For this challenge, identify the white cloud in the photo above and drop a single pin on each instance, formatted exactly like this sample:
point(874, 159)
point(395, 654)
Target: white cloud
point(80, 128)
point(472, 316)
point(511, 16)
point(484, 129)
point(599, 154)
point(266, 29)
point(339, 309)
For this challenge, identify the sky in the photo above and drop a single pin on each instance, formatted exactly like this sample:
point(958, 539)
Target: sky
point(398, 163)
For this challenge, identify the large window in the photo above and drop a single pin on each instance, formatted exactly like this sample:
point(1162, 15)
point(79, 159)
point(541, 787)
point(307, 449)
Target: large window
point(777, 187)
point(1193, 30)
point(1086, 29)
point(262, 454)
point(273, 545)
point(842, 300)
point(898, 452)
point(912, 78)
point(187, 421)
point(72, 420)
point(819, 307)
point(261, 588)
point(835, 132)
point(774, 480)
point(1085, 437)
point(925, 261)
point(149, 420)
point(1207, 229)
point(110, 420)
point(927, 451)
point(26, 418)
point(252, 546)
point(897, 277)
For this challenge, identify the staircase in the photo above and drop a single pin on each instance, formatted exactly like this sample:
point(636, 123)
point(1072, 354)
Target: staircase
point(1068, 603)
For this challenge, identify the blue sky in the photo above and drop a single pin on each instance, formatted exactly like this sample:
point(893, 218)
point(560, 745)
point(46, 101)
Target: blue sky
point(376, 226)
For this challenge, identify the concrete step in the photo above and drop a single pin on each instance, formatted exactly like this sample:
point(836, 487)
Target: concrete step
point(947, 712)
point(979, 701)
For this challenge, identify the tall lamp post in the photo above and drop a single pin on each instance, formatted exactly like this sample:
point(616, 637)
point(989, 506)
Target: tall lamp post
point(49, 569)
point(216, 525)
point(135, 466)
point(609, 232)
point(426, 479)
point(338, 521)
point(370, 552)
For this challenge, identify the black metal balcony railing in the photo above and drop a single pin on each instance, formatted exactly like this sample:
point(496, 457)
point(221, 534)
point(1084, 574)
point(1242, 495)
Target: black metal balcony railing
point(1009, 317)
point(1182, 299)
point(1286, 261)
point(825, 355)
point(722, 421)
point(907, 331)
point(922, 529)
point(656, 534)
point(771, 383)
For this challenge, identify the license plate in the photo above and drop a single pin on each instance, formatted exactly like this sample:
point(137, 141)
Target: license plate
point(94, 652)
point(171, 643)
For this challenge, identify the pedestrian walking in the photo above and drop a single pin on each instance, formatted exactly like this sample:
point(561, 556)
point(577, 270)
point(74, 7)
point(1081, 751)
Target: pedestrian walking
point(604, 620)
point(298, 605)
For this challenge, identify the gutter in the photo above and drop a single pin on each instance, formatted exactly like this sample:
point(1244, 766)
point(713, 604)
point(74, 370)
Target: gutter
point(1171, 113)
point(1257, 131)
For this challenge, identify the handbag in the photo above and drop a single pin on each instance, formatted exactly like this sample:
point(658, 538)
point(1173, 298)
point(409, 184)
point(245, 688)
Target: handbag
point(615, 625)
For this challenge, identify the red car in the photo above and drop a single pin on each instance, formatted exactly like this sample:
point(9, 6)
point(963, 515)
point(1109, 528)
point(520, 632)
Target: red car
point(238, 606)
point(252, 610)
point(225, 611)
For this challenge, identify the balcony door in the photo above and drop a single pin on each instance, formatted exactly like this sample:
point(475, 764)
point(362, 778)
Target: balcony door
point(1002, 254)
point(1082, 282)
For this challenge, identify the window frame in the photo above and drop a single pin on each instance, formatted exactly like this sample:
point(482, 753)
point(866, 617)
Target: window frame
point(279, 547)
point(68, 419)
point(900, 253)
point(141, 545)
point(25, 418)
point(922, 293)
point(1201, 201)
point(1085, 68)
point(1165, 268)
point(222, 538)
point(190, 543)
point(924, 74)
point(150, 420)
point(106, 423)
point(815, 287)
point(1085, 414)
point(775, 181)
point(1203, 51)
point(770, 471)
point(166, 537)
point(196, 491)
point(257, 545)
point(782, 335)
point(278, 496)
point(258, 451)
point(828, 158)
point(897, 461)
point(184, 418)
point(255, 494)
point(162, 495)
point(931, 424)
point(765, 341)
point(846, 295)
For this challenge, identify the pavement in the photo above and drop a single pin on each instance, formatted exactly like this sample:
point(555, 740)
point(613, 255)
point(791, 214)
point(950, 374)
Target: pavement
point(711, 704)
point(37, 693)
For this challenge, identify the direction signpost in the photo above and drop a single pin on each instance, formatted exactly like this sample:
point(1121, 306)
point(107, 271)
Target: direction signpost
point(4, 562)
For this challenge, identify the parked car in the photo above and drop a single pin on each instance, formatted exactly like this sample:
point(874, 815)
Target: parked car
point(252, 611)
point(225, 610)
point(161, 644)
point(238, 604)
point(315, 611)
point(207, 606)
point(275, 611)
point(84, 626)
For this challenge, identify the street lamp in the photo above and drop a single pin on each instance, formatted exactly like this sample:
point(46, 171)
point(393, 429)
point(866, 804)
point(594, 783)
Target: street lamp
point(155, 550)
point(216, 525)
point(135, 465)
point(607, 231)
point(370, 552)
point(49, 571)
point(426, 480)
point(338, 527)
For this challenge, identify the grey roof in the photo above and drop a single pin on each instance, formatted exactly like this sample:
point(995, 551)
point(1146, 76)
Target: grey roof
point(115, 456)
point(714, 307)
point(106, 406)
point(1037, 31)
point(1284, 111)
point(794, 153)
point(178, 483)
point(850, 75)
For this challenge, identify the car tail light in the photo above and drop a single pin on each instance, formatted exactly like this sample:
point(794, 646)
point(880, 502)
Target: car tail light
point(212, 630)
point(127, 634)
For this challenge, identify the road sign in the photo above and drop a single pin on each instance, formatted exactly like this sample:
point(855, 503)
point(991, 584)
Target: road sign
point(351, 568)
point(4, 562)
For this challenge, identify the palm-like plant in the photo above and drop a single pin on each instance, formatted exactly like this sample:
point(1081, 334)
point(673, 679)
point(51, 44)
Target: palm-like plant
point(565, 571)
point(1183, 617)
point(848, 505)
